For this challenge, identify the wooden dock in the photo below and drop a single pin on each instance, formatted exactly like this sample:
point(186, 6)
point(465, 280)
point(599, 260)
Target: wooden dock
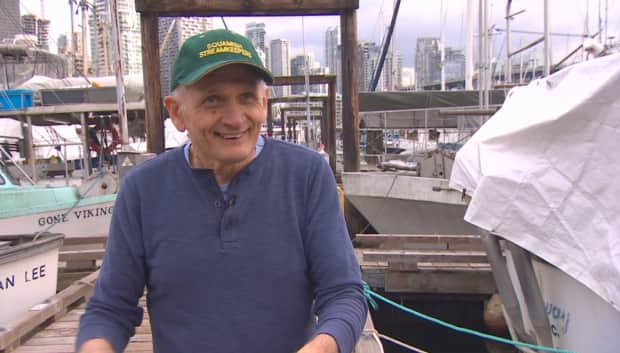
point(429, 264)
point(51, 327)
point(425, 264)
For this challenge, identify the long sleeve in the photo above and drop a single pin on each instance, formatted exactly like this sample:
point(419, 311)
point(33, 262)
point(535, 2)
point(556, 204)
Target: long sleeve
point(113, 313)
point(334, 270)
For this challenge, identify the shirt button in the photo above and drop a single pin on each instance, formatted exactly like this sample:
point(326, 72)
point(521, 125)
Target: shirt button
point(218, 204)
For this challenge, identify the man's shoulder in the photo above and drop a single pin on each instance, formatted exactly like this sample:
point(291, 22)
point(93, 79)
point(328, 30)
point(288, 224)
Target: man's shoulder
point(288, 150)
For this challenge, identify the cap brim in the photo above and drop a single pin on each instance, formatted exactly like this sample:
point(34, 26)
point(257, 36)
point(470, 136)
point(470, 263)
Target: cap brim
point(261, 71)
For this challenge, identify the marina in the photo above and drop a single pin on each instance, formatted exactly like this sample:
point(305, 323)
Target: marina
point(484, 215)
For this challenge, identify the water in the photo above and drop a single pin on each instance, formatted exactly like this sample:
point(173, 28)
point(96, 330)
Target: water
point(462, 310)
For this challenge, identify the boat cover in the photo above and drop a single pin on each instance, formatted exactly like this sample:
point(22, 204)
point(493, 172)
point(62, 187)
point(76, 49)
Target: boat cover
point(544, 172)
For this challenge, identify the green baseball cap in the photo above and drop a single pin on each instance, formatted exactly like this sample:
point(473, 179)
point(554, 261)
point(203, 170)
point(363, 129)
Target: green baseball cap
point(211, 50)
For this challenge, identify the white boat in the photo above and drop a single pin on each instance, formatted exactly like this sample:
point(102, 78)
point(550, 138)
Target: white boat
point(543, 177)
point(60, 209)
point(28, 273)
point(403, 203)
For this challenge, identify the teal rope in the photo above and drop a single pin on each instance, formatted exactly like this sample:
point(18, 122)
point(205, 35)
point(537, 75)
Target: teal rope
point(368, 293)
point(369, 298)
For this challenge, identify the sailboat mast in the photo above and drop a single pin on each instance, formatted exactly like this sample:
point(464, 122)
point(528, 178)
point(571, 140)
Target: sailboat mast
point(84, 7)
point(469, 46)
point(73, 39)
point(508, 78)
point(483, 54)
point(547, 40)
point(121, 100)
point(442, 46)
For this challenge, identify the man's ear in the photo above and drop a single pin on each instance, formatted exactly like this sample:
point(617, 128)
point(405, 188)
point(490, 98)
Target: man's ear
point(265, 95)
point(174, 110)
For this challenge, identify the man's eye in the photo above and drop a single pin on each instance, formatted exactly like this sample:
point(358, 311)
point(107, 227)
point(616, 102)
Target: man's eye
point(211, 99)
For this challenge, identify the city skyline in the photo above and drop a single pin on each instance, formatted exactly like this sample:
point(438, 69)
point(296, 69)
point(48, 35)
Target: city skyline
point(417, 18)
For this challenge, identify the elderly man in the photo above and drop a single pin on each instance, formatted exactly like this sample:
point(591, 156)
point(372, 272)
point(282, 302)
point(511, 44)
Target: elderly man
point(238, 238)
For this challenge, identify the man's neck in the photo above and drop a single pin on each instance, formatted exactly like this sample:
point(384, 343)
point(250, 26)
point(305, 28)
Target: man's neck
point(224, 172)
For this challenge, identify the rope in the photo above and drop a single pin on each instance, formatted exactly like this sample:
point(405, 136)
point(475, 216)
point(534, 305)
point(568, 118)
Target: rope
point(369, 293)
point(400, 343)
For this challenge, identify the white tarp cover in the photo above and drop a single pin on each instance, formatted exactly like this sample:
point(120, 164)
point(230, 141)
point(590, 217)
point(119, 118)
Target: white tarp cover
point(544, 172)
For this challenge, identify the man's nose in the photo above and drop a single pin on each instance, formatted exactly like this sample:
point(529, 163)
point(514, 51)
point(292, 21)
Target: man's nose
point(233, 114)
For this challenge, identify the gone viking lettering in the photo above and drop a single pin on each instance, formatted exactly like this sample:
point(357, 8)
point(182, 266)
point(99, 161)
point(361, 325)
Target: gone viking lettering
point(93, 212)
point(49, 220)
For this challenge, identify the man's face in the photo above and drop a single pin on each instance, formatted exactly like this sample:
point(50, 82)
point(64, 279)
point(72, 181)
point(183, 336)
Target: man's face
point(223, 113)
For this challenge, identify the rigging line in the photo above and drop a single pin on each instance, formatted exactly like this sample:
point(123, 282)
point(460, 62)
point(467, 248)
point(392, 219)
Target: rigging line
point(400, 343)
point(379, 18)
point(388, 39)
point(10, 157)
point(556, 34)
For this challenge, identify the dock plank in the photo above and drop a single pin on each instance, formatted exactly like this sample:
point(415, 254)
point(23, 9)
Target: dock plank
point(416, 256)
point(59, 335)
point(422, 263)
point(419, 241)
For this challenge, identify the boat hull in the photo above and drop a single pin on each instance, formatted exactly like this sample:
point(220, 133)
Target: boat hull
point(81, 221)
point(28, 276)
point(399, 203)
point(580, 320)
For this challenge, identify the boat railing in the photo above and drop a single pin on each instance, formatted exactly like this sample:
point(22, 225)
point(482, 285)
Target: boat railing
point(520, 261)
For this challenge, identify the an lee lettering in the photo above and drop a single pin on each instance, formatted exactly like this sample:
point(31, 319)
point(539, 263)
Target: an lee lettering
point(34, 274)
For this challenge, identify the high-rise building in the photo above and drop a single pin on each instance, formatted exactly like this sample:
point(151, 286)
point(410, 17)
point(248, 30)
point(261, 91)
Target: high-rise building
point(43, 30)
point(62, 44)
point(76, 43)
point(29, 24)
point(279, 55)
point(172, 33)
point(37, 27)
point(101, 38)
point(392, 74)
point(454, 64)
point(298, 68)
point(255, 31)
point(333, 60)
point(427, 61)
point(78, 60)
point(332, 42)
point(9, 19)
point(367, 62)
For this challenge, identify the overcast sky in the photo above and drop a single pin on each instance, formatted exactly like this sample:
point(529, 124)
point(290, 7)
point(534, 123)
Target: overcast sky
point(417, 18)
